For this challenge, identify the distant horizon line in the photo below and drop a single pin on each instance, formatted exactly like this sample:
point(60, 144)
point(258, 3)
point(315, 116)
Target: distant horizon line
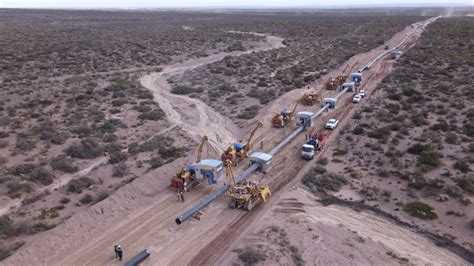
point(264, 7)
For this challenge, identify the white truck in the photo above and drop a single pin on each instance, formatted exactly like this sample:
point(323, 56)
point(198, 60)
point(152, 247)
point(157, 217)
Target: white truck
point(315, 143)
point(331, 124)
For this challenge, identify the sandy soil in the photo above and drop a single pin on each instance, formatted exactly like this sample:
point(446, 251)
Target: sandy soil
point(141, 214)
point(335, 235)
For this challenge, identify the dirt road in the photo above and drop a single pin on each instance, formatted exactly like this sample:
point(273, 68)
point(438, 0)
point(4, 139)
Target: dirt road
point(141, 214)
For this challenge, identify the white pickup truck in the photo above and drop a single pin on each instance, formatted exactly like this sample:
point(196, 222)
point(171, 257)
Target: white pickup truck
point(331, 124)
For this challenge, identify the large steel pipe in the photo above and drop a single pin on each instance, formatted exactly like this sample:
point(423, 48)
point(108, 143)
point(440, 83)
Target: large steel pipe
point(189, 213)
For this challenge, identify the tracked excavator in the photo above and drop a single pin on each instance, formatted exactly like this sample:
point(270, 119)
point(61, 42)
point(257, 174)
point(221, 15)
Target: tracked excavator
point(186, 178)
point(283, 118)
point(245, 195)
point(238, 151)
point(310, 99)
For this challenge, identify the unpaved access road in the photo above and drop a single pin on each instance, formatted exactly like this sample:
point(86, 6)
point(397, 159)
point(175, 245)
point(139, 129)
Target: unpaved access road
point(141, 214)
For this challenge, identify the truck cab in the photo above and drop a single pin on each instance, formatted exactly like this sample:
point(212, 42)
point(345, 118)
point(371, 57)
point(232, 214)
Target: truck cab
point(308, 151)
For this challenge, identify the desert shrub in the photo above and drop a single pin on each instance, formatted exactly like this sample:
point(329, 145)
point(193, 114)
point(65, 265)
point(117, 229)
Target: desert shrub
point(358, 130)
point(420, 210)
point(7, 228)
point(86, 199)
point(15, 187)
point(296, 256)
point(82, 131)
point(249, 112)
point(171, 152)
point(417, 148)
point(86, 149)
point(250, 256)
point(41, 175)
point(7, 251)
point(49, 213)
point(34, 173)
point(318, 169)
point(184, 89)
point(4, 134)
point(117, 157)
point(120, 170)
point(264, 96)
point(339, 152)
point(328, 181)
point(64, 164)
point(471, 224)
point(466, 183)
point(64, 200)
point(462, 166)
point(154, 115)
point(60, 138)
point(109, 137)
point(451, 138)
point(157, 142)
point(441, 125)
point(76, 185)
point(102, 195)
point(430, 158)
point(156, 162)
point(323, 161)
point(25, 142)
point(379, 133)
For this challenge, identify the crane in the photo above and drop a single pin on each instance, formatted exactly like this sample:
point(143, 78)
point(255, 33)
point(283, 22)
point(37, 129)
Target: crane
point(186, 178)
point(283, 118)
point(343, 77)
point(238, 152)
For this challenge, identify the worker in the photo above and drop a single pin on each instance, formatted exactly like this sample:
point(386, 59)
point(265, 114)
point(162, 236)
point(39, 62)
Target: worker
point(118, 251)
point(181, 195)
point(261, 145)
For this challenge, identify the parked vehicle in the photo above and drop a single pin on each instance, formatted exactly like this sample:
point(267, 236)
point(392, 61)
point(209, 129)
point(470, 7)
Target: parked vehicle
point(356, 98)
point(362, 93)
point(331, 124)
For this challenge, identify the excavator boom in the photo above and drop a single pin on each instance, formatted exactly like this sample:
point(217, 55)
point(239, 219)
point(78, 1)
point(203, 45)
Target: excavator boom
point(294, 109)
point(247, 144)
point(199, 149)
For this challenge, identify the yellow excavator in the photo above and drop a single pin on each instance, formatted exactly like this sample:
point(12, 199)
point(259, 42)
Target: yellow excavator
point(245, 194)
point(283, 118)
point(186, 178)
point(345, 74)
point(310, 99)
point(238, 151)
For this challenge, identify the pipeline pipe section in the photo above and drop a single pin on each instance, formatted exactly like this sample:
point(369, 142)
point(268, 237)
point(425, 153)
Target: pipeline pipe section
point(189, 213)
point(137, 259)
point(247, 172)
point(371, 63)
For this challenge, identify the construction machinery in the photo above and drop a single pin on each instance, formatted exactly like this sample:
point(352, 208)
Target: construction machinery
point(283, 118)
point(238, 151)
point(315, 143)
point(186, 178)
point(331, 84)
point(245, 194)
point(335, 83)
point(345, 74)
point(310, 99)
